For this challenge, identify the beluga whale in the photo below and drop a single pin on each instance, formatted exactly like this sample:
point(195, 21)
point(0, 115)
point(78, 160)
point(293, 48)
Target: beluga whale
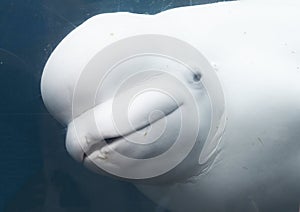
point(197, 106)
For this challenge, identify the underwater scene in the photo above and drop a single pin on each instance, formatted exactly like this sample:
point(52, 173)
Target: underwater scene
point(202, 78)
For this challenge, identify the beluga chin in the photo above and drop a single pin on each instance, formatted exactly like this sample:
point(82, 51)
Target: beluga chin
point(197, 106)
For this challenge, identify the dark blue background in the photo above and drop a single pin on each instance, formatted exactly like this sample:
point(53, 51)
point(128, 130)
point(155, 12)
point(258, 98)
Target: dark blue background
point(36, 172)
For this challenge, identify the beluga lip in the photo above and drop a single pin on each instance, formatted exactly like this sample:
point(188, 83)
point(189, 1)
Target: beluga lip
point(111, 128)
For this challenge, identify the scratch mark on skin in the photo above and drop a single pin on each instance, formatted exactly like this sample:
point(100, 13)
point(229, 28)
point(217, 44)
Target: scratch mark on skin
point(102, 156)
point(88, 141)
point(260, 140)
point(59, 16)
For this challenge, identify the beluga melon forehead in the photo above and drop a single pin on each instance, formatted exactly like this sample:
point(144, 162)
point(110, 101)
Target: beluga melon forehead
point(138, 106)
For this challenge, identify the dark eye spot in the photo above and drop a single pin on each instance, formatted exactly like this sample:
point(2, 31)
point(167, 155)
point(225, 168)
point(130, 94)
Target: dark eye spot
point(197, 77)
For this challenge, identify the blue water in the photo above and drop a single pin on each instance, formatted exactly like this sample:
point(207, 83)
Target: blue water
point(36, 172)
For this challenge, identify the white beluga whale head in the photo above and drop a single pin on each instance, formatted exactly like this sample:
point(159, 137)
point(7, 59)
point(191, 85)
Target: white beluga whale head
point(138, 111)
point(143, 99)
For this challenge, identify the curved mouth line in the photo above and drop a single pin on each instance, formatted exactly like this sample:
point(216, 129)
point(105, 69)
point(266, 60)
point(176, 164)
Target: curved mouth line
point(101, 144)
point(109, 140)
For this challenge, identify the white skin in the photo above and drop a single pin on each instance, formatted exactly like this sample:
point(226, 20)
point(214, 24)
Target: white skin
point(254, 48)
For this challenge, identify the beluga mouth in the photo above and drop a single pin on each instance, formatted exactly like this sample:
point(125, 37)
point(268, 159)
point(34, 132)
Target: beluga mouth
point(117, 120)
point(138, 111)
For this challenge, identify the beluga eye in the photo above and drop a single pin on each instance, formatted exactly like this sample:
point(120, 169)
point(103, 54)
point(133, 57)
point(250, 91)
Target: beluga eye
point(197, 77)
